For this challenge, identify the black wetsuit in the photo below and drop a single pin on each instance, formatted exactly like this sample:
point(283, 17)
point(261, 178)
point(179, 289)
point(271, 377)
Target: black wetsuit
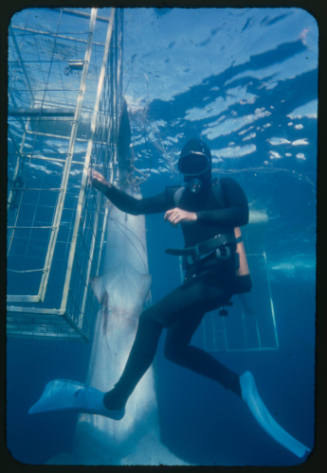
point(182, 310)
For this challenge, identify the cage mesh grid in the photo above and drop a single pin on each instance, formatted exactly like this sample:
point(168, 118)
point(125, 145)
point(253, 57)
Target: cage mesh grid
point(54, 116)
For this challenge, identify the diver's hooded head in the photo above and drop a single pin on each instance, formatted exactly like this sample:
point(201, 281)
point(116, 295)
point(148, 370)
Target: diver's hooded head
point(195, 165)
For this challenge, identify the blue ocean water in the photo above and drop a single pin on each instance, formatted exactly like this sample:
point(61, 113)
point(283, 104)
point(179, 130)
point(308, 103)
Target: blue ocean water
point(246, 81)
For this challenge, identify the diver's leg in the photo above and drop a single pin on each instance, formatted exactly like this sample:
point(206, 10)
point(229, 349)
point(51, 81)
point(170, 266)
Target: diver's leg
point(162, 314)
point(178, 350)
point(139, 360)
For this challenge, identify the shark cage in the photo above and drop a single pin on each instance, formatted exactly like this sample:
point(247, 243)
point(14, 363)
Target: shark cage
point(65, 97)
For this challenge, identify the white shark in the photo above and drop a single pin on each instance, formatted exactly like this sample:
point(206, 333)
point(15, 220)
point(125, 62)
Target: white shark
point(123, 290)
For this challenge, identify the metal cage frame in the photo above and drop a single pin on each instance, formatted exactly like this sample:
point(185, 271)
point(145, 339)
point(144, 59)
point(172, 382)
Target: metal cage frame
point(31, 315)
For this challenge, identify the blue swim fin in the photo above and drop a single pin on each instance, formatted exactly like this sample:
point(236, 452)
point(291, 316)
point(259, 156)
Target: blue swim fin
point(252, 398)
point(68, 395)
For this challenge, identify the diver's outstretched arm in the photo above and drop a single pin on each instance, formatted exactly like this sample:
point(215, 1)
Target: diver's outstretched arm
point(99, 182)
point(128, 203)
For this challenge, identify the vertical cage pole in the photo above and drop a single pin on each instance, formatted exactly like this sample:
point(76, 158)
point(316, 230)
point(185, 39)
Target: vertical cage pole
point(84, 179)
point(68, 162)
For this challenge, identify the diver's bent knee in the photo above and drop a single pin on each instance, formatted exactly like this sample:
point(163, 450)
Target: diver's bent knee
point(152, 315)
point(147, 314)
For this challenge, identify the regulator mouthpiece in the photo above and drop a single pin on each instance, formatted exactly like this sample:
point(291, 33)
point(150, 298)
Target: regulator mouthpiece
point(194, 185)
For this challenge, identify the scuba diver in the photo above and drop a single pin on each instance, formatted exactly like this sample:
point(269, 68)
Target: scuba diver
point(210, 212)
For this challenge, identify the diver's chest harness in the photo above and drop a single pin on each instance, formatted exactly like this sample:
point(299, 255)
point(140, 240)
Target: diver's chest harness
point(209, 254)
